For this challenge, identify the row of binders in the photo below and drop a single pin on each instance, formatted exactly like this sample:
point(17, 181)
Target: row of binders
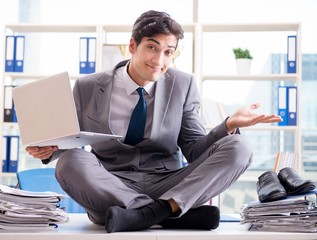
point(10, 152)
point(15, 46)
point(287, 105)
point(14, 61)
point(15, 49)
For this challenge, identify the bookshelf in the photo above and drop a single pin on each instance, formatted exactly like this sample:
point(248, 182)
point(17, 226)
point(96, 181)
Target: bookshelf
point(229, 36)
point(199, 53)
point(214, 50)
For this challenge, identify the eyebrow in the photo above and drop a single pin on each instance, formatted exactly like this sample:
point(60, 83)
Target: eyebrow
point(157, 42)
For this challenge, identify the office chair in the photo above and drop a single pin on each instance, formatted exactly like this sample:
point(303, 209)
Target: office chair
point(43, 179)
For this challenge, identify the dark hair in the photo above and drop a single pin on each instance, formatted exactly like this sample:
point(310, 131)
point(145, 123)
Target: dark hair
point(152, 23)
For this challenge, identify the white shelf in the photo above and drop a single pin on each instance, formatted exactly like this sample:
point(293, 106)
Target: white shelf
point(258, 77)
point(128, 28)
point(28, 76)
point(246, 27)
point(46, 28)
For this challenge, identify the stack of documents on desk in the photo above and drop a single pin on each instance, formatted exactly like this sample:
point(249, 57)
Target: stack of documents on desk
point(289, 215)
point(33, 211)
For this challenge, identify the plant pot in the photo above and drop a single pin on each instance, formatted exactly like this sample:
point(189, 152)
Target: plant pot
point(243, 66)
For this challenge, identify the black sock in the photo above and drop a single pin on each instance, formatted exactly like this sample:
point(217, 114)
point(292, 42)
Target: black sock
point(119, 219)
point(205, 218)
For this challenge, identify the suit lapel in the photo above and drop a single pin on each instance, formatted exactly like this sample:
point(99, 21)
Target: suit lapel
point(163, 93)
point(103, 97)
point(103, 91)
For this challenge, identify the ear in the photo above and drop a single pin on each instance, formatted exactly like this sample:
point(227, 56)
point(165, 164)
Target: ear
point(132, 46)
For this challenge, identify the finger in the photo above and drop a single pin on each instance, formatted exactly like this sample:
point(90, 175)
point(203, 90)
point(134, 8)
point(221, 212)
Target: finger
point(270, 119)
point(31, 149)
point(43, 154)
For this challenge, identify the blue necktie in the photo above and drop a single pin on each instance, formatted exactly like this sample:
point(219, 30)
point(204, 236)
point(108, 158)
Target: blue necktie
point(137, 122)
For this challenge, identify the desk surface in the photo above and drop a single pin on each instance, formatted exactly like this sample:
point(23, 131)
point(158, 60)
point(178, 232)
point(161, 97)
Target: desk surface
point(79, 227)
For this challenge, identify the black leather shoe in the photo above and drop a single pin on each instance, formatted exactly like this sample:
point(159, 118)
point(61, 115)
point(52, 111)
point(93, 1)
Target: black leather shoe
point(293, 183)
point(269, 187)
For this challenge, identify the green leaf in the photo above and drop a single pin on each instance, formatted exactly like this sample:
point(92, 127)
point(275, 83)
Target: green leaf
point(242, 53)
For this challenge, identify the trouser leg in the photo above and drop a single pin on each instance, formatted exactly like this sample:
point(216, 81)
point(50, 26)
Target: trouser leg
point(208, 176)
point(85, 179)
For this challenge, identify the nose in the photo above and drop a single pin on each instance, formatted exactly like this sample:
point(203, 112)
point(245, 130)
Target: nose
point(158, 58)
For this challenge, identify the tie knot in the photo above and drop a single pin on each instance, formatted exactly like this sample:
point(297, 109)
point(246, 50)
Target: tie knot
point(140, 91)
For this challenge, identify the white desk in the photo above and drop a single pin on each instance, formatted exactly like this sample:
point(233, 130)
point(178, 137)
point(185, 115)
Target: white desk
point(79, 227)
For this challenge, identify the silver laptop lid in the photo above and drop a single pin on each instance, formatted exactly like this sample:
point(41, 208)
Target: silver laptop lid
point(45, 109)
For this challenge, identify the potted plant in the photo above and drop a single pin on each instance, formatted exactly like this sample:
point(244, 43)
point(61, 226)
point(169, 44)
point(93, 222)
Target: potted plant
point(243, 60)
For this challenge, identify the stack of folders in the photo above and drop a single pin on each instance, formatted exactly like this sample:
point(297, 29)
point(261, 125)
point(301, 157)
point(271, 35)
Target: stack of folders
point(296, 214)
point(30, 211)
point(286, 159)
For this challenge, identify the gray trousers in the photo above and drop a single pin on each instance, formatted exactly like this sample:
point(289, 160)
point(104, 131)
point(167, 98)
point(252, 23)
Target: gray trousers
point(85, 179)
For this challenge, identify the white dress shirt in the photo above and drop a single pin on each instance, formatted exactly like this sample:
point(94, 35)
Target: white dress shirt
point(124, 97)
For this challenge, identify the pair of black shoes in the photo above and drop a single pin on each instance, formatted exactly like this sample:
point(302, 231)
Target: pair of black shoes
point(272, 186)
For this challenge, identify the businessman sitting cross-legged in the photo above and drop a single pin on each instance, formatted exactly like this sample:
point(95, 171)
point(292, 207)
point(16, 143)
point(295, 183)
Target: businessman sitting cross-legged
point(139, 181)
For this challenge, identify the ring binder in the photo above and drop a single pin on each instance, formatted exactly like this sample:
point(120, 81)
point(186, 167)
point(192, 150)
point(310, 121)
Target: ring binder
point(287, 105)
point(291, 54)
point(292, 106)
point(9, 61)
point(282, 105)
point(19, 54)
point(87, 55)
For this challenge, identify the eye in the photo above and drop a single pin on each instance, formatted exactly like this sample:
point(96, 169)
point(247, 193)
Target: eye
point(169, 53)
point(151, 47)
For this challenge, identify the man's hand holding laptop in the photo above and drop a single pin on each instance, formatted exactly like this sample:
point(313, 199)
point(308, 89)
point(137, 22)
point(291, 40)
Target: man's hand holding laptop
point(41, 152)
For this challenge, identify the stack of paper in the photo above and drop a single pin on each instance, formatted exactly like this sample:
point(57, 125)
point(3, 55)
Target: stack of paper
point(33, 211)
point(288, 215)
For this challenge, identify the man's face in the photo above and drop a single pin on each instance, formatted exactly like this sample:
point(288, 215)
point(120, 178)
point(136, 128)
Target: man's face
point(151, 58)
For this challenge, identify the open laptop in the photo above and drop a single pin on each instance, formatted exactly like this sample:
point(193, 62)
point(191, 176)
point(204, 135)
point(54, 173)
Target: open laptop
point(47, 115)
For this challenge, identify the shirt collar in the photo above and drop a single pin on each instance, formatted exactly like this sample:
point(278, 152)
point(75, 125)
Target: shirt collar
point(130, 86)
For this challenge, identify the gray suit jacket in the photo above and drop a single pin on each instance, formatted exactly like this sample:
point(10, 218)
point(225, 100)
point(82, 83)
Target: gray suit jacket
point(176, 130)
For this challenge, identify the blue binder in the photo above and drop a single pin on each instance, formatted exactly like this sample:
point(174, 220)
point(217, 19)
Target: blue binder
point(87, 55)
point(8, 111)
point(292, 105)
point(19, 53)
point(14, 153)
point(5, 154)
point(291, 54)
point(83, 55)
point(282, 105)
point(9, 56)
point(91, 55)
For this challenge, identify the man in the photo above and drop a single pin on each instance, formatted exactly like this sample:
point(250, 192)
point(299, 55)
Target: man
point(132, 184)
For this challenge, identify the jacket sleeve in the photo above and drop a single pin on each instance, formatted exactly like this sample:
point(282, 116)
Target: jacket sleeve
point(193, 139)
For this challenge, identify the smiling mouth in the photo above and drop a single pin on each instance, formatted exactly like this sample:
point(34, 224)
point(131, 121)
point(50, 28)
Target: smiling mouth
point(155, 68)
